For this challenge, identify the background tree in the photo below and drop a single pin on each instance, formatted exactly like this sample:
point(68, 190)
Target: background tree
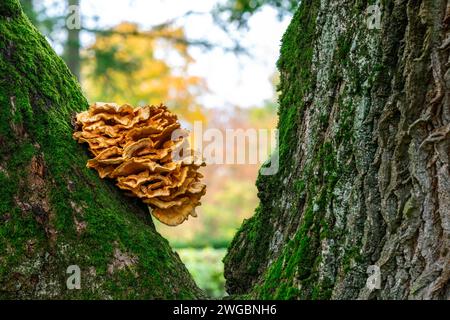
point(72, 46)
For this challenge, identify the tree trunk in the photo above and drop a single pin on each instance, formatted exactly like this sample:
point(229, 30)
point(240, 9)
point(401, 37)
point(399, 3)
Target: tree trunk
point(364, 160)
point(54, 212)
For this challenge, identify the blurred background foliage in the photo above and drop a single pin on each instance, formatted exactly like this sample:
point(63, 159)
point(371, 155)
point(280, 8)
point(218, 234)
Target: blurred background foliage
point(123, 66)
point(240, 11)
point(127, 64)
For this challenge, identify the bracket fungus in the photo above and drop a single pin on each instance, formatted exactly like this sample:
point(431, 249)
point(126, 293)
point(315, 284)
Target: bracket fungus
point(147, 153)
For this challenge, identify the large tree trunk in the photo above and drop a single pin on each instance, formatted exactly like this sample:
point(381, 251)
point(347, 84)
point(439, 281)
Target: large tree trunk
point(54, 212)
point(364, 160)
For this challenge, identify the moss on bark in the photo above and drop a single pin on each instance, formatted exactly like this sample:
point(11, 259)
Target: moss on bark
point(353, 190)
point(54, 212)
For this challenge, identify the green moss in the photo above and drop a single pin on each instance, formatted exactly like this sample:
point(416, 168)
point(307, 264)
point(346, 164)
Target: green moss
point(352, 257)
point(298, 258)
point(322, 291)
point(295, 81)
point(300, 187)
point(39, 95)
point(344, 43)
point(346, 120)
point(9, 8)
point(312, 181)
point(257, 228)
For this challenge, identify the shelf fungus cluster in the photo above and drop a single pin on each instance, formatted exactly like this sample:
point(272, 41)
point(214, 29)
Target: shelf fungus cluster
point(147, 153)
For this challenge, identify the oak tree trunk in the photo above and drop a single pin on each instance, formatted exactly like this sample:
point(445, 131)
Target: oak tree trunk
point(54, 212)
point(364, 181)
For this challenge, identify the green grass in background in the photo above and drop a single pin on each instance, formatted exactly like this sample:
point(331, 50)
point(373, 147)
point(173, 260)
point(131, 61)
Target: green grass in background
point(206, 267)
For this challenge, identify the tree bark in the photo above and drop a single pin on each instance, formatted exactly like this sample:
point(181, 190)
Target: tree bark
point(54, 212)
point(364, 160)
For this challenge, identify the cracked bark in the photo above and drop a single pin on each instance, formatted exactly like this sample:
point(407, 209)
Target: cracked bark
point(377, 102)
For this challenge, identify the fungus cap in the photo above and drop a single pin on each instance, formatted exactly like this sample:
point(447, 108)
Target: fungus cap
point(134, 146)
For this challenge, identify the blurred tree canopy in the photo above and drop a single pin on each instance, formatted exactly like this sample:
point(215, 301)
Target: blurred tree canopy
point(239, 11)
point(123, 66)
point(50, 18)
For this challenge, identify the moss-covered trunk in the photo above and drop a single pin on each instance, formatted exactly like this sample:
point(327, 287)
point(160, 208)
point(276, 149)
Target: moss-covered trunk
point(364, 152)
point(54, 212)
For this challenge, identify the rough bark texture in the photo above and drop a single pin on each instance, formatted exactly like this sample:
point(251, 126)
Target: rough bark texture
point(364, 126)
point(54, 212)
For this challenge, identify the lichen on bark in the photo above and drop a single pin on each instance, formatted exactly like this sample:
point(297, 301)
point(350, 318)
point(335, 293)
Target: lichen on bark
point(55, 212)
point(364, 151)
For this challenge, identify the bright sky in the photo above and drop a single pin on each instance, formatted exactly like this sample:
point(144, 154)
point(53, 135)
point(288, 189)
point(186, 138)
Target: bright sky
point(243, 81)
